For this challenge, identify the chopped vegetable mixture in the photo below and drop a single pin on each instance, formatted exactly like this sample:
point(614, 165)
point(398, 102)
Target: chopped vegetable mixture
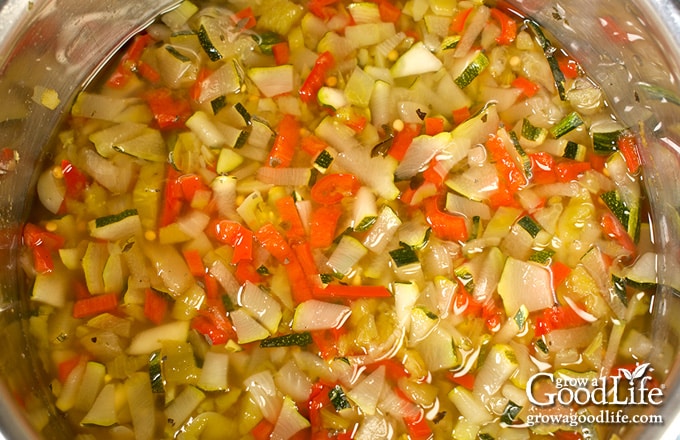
point(329, 219)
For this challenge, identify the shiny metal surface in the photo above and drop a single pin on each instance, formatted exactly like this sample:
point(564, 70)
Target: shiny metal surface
point(60, 44)
point(56, 45)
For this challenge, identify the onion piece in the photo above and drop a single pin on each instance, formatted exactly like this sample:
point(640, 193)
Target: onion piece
point(262, 388)
point(367, 392)
point(289, 422)
point(284, 176)
point(319, 315)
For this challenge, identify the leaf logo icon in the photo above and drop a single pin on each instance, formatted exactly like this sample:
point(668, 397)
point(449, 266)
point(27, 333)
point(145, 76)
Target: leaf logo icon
point(640, 370)
point(637, 373)
point(627, 374)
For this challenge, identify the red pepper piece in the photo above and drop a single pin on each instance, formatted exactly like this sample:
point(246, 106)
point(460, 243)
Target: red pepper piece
point(444, 226)
point(95, 305)
point(508, 27)
point(316, 77)
point(351, 292)
point(168, 111)
point(285, 143)
point(128, 64)
point(155, 306)
point(332, 188)
point(75, 180)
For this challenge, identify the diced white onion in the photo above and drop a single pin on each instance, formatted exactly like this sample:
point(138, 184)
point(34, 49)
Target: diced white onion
point(319, 315)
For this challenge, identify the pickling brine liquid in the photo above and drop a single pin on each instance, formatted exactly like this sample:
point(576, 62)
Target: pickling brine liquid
point(328, 219)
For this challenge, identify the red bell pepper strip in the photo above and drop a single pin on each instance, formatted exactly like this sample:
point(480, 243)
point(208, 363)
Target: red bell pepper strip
point(418, 427)
point(195, 262)
point(155, 306)
point(75, 180)
point(527, 86)
point(42, 243)
point(435, 173)
point(559, 272)
point(245, 18)
point(195, 90)
point(214, 324)
point(612, 228)
point(389, 12)
point(332, 188)
point(628, 146)
point(508, 27)
point(557, 317)
point(290, 218)
point(128, 64)
point(351, 292)
point(95, 305)
point(285, 143)
point(263, 430)
point(402, 140)
point(458, 21)
point(245, 271)
point(444, 226)
point(298, 280)
point(507, 168)
point(274, 242)
point(313, 145)
point(169, 112)
point(65, 367)
point(281, 52)
point(322, 8)
point(542, 168)
point(148, 73)
point(433, 125)
point(323, 224)
point(568, 170)
point(466, 380)
point(568, 67)
point(212, 286)
point(461, 115)
point(235, 235)
point(172, 197)
point(190, 184)
point(316, 77)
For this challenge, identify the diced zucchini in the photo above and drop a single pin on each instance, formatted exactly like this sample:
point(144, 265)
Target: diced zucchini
point(156, 372)
point(472, 70)
point(575, 151)
point(532, 133)
point(529, 225)
point(298, 339)
point(606, 142)
point(570, 122)
point(117, 226)
point(323, 161)
point(629, 216)
point(404, 255)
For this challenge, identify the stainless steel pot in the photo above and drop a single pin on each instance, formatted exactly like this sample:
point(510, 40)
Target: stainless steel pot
point(630, 47)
